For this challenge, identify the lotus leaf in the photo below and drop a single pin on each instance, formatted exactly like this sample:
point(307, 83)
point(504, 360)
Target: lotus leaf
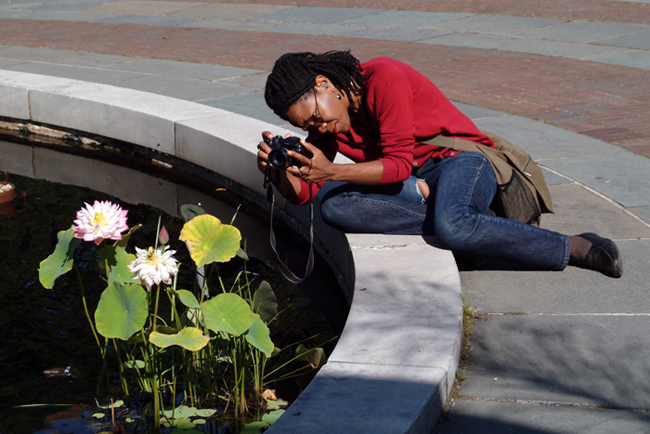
point(242, 254)
point(136, 339)
point(276, 405)
point(122, 310)
point(117, 262)
point(272, 416)
point(115, 404)
point(208, 240)
point(180, 412)
point(227, 313)
point(258, 336)
point(254, 428)
point(188, 299)
point(315, 357)
point(60, 261)
point(193, 209)
point(184, 424)
point(206, 412)
point(265, 303)
point(190, 338)
point(125, 237)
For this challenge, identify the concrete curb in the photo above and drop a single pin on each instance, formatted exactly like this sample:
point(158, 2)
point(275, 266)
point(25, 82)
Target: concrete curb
point(395, 363)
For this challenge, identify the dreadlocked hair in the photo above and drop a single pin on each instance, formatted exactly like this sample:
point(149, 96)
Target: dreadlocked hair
point(293, 76)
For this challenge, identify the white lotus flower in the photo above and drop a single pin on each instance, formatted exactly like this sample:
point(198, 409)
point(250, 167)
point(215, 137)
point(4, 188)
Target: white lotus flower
point(103, 220)
point(154, 266)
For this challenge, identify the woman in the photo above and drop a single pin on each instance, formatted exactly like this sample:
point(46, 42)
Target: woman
point(376, 114)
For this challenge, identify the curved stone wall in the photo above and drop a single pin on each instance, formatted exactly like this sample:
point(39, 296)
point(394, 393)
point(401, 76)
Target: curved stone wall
point(396, 359)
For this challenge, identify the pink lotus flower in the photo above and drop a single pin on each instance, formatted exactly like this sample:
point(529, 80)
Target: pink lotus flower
point(103, 220)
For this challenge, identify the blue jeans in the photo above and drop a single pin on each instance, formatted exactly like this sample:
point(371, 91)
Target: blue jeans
point(461, 191)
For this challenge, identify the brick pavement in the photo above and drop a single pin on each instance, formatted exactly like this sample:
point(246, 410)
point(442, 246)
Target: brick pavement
point(597, 10)
point(607, 102)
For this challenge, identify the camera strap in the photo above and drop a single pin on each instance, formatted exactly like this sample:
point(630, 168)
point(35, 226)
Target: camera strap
point(284, 269)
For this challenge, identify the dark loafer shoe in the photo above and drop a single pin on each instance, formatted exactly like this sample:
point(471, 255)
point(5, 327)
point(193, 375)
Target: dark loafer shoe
point(603, 255)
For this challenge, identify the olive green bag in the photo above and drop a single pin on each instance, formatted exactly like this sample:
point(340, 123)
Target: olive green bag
point(522, 194)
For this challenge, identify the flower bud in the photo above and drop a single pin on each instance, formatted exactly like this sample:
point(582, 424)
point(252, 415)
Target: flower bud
point(163, 237)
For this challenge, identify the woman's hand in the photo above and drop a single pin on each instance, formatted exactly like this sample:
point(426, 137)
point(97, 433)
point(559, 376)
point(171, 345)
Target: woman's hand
point(286, 183)
point(263, 153)
point(315, 169)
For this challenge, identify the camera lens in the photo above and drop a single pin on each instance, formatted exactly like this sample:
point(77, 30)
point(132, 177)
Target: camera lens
point(278, 158)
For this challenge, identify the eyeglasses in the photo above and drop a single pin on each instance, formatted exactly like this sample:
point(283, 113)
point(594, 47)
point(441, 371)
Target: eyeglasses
point(316, 119)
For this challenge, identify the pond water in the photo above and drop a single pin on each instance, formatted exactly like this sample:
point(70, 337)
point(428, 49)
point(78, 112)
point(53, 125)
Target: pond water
point(48, 354)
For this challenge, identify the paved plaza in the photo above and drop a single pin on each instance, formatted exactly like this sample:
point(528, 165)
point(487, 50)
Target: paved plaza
point(569, 82)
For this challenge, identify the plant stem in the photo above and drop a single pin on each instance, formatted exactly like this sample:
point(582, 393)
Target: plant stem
point(125, 387)
point(83, 300)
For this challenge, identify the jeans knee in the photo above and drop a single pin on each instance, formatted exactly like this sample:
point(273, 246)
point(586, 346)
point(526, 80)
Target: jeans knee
point(456, 232)
point(333, 212)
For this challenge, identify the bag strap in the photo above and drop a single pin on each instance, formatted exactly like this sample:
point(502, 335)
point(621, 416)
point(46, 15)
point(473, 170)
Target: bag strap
point(284, 268)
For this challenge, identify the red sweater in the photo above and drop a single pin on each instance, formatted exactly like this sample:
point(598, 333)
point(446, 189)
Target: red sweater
point(404, 105)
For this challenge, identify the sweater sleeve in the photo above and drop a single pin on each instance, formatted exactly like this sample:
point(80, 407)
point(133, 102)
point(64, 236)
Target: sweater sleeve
point(327, 147)
point(390, 105)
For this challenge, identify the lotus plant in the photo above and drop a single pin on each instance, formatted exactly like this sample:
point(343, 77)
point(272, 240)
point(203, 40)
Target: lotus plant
point(201, 331)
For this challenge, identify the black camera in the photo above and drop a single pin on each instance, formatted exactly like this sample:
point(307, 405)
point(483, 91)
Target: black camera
point(278, 158)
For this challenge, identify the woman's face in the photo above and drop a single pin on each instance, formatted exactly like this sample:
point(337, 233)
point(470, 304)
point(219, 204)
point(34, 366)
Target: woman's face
point(320, 112)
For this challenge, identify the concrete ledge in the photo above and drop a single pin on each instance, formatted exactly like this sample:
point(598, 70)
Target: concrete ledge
point(395, 362)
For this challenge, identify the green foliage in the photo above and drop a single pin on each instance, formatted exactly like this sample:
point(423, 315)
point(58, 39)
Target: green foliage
point(60, 261)
point(208, 240)
point(122, 311)
point(259, 336)
point(272, 416)
point(190, 338)
point(188, 299)
point(265, 303)
point(227, 313)
point(117, 260)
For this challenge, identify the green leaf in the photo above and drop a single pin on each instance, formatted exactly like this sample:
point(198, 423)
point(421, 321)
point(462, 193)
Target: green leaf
point(98, 415)
point(188, 299)
point(133, 364)
point(258, 336)
point(190, 338)
point(136, 339)
point(122, 311)
point(206, 412)
point(254, 428)
point(125, 238)
point(242, 254)
point(60, 261)
point(276, 405)
point(227, 313)
point(115, 404)
point(315, 357)
point(264, 302)
point(272, 417)
point(193, 211)
point(208, 240)
point(180, 412)
point(184, 423)
point(117, 260)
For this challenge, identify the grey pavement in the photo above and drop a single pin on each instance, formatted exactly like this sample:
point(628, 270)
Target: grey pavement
point(615, 43)
point(554, 352)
